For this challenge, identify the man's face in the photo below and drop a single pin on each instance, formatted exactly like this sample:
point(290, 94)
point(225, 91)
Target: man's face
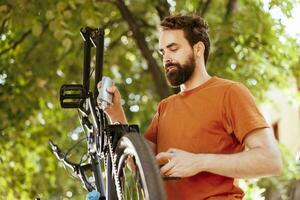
point(178, 57)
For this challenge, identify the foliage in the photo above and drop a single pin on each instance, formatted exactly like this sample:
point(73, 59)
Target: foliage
point(281, 186)
point(40, 49)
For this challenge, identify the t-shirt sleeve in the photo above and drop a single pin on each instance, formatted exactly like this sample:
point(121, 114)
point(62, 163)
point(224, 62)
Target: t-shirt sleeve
point(151, 132)
point(241, 114)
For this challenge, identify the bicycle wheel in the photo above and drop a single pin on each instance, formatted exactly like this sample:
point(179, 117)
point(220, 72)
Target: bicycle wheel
point(137, 169)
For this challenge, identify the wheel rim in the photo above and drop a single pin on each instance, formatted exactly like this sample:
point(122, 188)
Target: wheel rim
point(132, 181)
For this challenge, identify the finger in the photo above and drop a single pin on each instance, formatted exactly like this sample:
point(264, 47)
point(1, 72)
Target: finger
point(167, 168)
point(164, 156)
point(99, 84)
point(172, 173)
point(111, 89)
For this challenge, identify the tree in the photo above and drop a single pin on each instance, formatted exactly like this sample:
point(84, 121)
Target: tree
point(43, 50)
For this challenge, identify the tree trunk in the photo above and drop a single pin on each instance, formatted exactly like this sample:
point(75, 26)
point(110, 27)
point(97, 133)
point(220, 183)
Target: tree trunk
point(163, 9)
point(231, 7)
point(161, 85)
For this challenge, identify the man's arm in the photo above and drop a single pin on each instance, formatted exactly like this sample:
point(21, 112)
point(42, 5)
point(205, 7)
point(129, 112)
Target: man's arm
point(261, 159)
point(116, 113)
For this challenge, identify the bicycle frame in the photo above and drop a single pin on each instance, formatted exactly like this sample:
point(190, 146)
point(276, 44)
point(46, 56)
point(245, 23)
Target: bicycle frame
point(98, 129)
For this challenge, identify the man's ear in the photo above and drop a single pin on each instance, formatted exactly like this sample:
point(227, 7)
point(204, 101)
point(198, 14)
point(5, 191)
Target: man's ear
point(199, 48)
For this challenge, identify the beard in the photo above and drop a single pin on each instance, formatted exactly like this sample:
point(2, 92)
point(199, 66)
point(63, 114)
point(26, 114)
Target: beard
point(181, 73)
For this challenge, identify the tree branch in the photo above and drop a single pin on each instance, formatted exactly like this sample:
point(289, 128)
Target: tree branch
point(16, 43)
point(203, 7)
point(230, 8)
point(3, 25)
point(160, 83)
point(163, 9)
point(35, 43)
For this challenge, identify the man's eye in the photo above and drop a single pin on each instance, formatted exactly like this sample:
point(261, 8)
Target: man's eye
point(174, 49)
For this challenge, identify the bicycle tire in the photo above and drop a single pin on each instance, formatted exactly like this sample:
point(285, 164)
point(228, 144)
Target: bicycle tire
point(133, 144)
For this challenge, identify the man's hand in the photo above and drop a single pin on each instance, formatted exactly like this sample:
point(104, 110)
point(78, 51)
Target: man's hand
point(180, 163)
point(115, 110)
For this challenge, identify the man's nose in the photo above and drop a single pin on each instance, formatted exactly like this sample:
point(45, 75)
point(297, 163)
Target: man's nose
point(167, 59)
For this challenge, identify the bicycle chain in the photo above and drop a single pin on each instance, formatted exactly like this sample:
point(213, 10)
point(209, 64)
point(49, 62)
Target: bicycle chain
point(114, 169)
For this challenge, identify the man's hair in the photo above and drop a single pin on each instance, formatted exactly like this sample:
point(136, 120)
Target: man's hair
point(195, 29)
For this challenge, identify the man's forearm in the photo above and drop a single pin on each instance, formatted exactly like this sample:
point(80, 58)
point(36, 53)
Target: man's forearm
point(248, 164)
point(118, 116)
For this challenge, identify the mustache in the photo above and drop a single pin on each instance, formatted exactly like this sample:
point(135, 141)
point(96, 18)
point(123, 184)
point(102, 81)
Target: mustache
point(172, 64)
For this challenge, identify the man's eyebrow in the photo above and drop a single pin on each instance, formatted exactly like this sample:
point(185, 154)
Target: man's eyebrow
point(169, 46)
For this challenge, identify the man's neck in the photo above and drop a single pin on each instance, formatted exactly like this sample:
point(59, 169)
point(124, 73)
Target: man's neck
point(198, 77)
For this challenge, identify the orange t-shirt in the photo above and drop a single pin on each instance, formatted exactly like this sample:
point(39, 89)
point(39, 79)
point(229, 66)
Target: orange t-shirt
point(214, 117)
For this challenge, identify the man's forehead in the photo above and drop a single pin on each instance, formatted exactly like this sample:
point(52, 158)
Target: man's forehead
point(169, 36)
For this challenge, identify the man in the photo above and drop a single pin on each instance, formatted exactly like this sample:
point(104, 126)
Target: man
point(202, 131)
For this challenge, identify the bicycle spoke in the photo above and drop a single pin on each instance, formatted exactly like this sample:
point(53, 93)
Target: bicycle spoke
point(131, 182)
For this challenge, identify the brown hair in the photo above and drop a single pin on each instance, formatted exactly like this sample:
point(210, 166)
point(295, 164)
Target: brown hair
point(195, 29)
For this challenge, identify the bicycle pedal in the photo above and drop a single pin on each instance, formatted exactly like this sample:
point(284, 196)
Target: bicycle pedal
point(71, 95)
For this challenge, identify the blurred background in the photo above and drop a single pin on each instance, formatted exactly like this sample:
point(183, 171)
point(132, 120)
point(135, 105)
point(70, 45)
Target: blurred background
point(253, 41)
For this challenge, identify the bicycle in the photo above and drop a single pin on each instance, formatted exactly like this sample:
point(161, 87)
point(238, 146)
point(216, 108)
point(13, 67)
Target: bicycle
point(116, 150)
